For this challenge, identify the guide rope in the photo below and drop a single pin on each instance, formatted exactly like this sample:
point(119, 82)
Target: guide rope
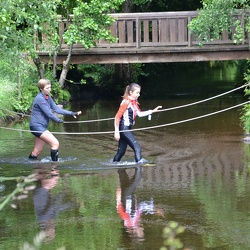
point(161, 110)
point(172, 108)
point(138, 129)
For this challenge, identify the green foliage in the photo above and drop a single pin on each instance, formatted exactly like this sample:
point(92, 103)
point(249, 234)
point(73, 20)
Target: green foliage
point(214, 18)
point(100, 74)
point(137, 71)
point(104, 76)
point(59, 95)
point(17, 71)
point(22, 21)
point(90, 22)
point(163, 5)
point(6, 97)
point(239, 35)
point(169, 234)
point(19, 20)
point(23, 186)
point(37, 243)
point(245, 112)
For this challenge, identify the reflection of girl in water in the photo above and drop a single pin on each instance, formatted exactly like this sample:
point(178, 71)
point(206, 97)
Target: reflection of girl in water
point(127, 206)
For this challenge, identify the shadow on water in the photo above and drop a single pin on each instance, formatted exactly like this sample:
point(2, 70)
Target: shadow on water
point(198, 176)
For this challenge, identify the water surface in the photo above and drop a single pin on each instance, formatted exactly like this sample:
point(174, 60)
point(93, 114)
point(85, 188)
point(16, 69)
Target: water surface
point(197, 177)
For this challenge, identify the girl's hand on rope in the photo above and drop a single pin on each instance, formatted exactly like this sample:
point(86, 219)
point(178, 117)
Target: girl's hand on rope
point(156, 109)
point(77, 113)
point(117, 135)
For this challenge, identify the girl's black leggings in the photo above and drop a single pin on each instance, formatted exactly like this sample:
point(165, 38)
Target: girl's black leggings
point(127, 138)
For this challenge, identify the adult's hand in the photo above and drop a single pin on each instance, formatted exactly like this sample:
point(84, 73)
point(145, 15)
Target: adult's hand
point(77, 113)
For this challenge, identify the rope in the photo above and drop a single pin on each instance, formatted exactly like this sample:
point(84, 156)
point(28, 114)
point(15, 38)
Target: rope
point(172, 108)
point(145, 128)
point(97, 120)
point(162, 110)
point(204, 100)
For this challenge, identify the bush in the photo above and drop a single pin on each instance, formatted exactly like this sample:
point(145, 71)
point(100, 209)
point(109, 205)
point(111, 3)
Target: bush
point(7, 97)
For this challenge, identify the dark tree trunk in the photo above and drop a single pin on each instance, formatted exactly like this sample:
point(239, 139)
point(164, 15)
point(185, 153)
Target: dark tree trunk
point(123, 74)
point(65, 70)
point(127, 6)
point(39, 66)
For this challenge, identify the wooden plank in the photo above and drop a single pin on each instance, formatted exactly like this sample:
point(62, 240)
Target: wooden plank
point(190, 34)
point(155, 15)
point(185, 56)
point(163, 30)
point(130, 32)
point(61, 30)
point(182, 30)
point(138, 31)
point(145, 31)
point(225, 35)
point(164, 44)
point(155, 37)
point(121, 31)
point(113, 29)
point(172, 29)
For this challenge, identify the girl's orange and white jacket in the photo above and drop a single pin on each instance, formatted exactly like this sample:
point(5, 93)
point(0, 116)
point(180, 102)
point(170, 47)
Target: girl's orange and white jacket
point(127, 112)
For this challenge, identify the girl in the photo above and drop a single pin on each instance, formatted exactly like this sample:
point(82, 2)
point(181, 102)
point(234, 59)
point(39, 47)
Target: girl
point(124, 120)
point(40, 116)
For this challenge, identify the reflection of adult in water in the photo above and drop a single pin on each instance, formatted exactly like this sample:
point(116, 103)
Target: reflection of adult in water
point(47, 207)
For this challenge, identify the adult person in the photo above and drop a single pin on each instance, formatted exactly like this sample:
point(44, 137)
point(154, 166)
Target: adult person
point(42, 108)
point(125, 119)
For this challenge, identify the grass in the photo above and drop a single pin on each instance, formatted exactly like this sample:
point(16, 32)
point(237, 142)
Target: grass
point(7, 95)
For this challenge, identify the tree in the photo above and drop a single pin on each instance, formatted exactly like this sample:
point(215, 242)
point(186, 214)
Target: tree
point(20, 20)
point(163, 5)
point(214, 17)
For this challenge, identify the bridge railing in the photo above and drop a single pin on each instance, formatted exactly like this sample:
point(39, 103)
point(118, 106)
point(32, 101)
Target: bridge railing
point(158, 29)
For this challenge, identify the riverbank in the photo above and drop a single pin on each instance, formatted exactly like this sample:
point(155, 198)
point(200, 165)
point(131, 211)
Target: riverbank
point(7, 96)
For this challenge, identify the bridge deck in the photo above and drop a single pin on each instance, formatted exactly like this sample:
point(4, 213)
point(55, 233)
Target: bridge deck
point(154, 37)
point(149, 55)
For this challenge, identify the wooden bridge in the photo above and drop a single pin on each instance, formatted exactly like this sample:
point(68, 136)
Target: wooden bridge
point(154, 37)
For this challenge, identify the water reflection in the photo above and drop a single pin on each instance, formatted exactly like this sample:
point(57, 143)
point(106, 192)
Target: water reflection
point(46, 205)
point(200, 179)
point(128, 206)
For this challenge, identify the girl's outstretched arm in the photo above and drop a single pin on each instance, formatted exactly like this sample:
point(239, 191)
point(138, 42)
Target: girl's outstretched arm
point(156, 109)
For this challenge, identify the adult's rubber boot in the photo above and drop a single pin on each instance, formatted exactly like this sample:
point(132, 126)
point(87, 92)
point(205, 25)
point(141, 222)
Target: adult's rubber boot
point(32, 157)
point(54, 154)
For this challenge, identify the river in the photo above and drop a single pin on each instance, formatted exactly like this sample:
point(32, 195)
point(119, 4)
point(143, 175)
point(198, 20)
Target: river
point(197, 175)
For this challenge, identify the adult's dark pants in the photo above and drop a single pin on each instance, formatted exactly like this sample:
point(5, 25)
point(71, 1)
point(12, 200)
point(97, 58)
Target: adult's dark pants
point(127, 138)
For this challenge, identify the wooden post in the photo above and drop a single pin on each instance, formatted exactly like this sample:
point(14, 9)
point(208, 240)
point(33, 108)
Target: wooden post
point(189, 33)
point(138, 32)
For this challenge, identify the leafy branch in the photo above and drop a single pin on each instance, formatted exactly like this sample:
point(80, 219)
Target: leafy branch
point(20, 192)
